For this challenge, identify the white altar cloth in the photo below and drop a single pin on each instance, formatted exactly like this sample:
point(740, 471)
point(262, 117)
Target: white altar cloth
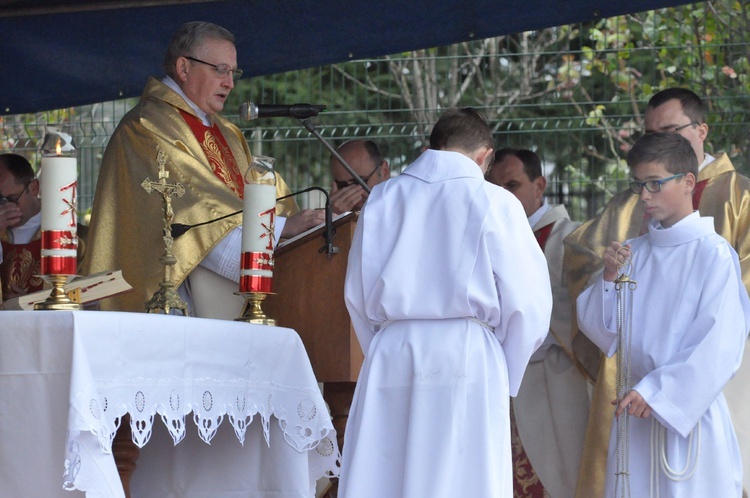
point(79, 372)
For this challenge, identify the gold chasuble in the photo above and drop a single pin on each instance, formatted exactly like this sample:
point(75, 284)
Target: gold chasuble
point(127, 222)
point(724, 195)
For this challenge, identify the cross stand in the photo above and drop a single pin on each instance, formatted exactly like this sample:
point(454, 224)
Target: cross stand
point(166, 298)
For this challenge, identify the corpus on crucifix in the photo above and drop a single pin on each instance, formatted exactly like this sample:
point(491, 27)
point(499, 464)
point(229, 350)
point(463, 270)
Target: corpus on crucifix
point(166, 298)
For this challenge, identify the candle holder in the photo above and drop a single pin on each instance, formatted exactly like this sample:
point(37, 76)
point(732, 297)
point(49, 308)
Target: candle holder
point(166, 298)
point(258, 239)
point(59, 185)
point(252, 310)
point(58, 299)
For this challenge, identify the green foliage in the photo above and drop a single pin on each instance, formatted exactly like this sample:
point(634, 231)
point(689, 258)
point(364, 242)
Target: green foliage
point(574, 94)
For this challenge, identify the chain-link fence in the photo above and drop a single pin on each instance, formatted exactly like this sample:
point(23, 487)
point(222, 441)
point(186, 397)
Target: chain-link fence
point(574, 94)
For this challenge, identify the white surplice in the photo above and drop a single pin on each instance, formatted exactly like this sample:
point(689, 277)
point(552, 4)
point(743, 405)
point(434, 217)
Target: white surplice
point(437, 253)
point(691, 315)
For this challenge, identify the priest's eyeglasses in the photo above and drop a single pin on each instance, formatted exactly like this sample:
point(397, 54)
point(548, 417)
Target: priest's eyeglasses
point(4, 199)
point(674, 128)
point(222, 70)
point(345, 183)
point(652, 186)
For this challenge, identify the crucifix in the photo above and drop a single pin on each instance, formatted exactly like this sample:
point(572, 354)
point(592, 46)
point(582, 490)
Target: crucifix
point(166, 297)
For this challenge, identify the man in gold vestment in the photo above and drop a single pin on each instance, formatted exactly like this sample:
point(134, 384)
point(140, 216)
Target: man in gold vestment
point(204, 152)
point(722, 193)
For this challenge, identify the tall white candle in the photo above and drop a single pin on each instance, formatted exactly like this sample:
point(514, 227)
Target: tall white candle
point(59, 188)
point(258, 219)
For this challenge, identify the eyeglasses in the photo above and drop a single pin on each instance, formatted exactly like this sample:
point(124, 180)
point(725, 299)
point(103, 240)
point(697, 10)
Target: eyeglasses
point(222, 70)
point(345, 183)
point(4, 199)
point(675, 129)
point(652, 186)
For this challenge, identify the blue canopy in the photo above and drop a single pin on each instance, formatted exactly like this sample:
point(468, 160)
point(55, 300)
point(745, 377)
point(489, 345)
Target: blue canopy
point(62, 53)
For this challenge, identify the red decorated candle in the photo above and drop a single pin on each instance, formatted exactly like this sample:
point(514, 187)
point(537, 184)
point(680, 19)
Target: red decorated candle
point(258, 221)
point(59, 189)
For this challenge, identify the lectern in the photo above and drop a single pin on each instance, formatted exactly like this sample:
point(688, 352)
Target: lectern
point(308, 288)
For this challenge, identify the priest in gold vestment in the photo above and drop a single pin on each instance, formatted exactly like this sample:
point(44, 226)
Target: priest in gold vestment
point(722, 193)
point(204, 152)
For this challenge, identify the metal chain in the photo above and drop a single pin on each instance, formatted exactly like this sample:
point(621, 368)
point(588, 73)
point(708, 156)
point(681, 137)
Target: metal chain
point(624, 318)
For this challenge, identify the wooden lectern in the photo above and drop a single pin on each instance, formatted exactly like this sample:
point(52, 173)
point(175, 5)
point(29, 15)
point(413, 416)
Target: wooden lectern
point(308, 296)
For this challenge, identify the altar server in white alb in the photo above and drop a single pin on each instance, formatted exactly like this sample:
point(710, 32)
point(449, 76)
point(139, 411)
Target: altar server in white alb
point(690, 319)
point(449, 295)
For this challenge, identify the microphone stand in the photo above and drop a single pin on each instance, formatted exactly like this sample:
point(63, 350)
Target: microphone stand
point(179, 229)
point(329, 248)
point(311, 128)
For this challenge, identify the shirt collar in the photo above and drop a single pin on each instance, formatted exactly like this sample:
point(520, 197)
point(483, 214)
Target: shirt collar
point(24, 233)
point(174, 86)
point(534, 218)
point(708, 159)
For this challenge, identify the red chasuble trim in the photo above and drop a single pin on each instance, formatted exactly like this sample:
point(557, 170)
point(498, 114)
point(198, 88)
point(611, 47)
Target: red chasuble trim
point(542, 234)
point(526, 483)
point(21, 267)
point(698, 192)
point(218, 153)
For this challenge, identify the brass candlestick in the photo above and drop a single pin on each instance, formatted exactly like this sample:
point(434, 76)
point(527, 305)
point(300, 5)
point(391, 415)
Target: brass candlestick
point(252, 310)
point(166, 298)
point(58, 299)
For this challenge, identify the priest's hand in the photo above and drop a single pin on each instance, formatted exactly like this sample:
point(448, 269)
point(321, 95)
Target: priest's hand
point(304, 220)
point(10, 215)
point(634, 403)
point(349, 198)
point(614, 257)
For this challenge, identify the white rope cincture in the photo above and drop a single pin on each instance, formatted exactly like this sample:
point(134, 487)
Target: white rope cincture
point(624, 346)
point(660, 461)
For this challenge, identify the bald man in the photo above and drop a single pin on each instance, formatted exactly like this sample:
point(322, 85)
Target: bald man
point(366, 160)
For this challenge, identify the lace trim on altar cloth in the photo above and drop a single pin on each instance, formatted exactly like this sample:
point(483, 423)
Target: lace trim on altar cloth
point(301, 414)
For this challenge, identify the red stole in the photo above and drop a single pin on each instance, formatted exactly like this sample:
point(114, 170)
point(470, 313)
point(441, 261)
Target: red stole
point(21, 267)
point(698, 192)
point(542, 234)
point(218, 153)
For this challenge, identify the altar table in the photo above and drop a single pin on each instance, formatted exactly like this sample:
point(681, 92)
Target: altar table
point(67, 377)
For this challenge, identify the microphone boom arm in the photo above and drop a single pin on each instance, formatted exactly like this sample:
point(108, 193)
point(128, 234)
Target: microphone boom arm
point(311, 128)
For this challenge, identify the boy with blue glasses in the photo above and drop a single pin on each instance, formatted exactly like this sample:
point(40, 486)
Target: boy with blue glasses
point(689, 322)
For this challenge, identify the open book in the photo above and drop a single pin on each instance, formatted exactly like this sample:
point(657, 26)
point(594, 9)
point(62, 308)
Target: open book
point(83, 290)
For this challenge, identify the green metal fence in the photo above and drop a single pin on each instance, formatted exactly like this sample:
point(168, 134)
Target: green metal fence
point(574, 94)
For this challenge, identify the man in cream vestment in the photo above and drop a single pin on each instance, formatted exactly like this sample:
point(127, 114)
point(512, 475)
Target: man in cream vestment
point(551, 408)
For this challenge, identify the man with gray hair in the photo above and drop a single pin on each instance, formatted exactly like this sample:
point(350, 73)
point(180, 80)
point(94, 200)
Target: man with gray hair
point(204, 152)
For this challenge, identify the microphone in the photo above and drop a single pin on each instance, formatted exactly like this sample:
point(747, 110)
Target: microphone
point(179, 229)
point(250, 110)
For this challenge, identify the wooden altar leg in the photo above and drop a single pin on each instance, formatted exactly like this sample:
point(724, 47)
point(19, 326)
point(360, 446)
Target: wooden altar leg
point(339, 396)
point(126, 453)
